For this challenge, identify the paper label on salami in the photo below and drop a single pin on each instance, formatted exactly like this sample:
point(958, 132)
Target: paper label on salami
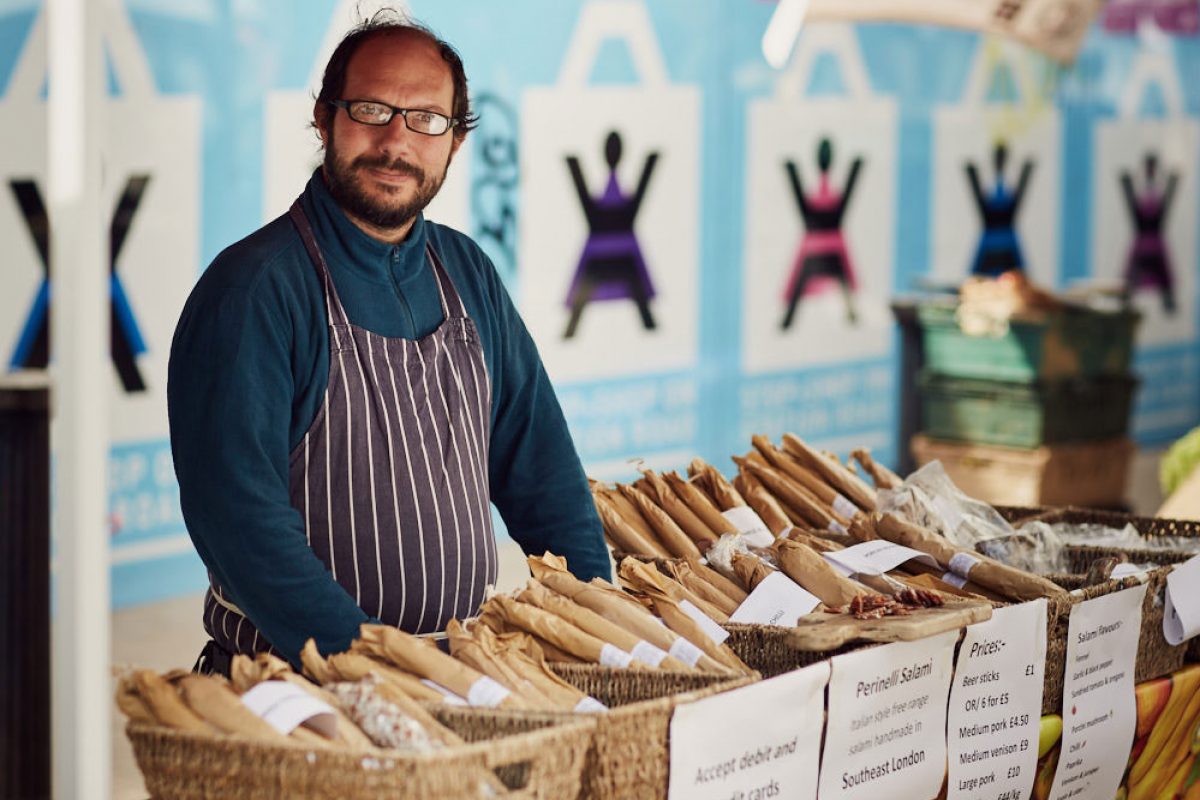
point(957, 581)
point(647, 653)
point(961, 564)
point(843, 507)
point(590, 705)
point(750, 526)
point(875, 557)
point(685, 651)
point(451, 698)
point(612, 656)
point(487, 693)
point(706, 623)
point(778, 600)
point(286, 707)
point(1126, 570)
point(837, 527)
point(1181, 619)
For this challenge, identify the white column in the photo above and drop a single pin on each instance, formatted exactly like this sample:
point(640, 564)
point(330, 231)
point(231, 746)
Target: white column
point(81, 370)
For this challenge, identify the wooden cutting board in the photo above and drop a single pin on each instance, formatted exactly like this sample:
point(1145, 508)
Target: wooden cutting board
point(823, 631)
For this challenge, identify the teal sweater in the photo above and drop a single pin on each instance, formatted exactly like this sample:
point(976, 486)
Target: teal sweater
point(248, 370)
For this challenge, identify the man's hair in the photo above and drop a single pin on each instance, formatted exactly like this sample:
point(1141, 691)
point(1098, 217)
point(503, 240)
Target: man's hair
point(383, 22)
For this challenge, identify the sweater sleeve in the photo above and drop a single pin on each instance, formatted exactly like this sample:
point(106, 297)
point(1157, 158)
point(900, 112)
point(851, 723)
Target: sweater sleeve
point(229, 398)
point(537, 480)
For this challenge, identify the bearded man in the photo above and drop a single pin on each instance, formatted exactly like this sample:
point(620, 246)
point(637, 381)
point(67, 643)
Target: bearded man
point(351, 387)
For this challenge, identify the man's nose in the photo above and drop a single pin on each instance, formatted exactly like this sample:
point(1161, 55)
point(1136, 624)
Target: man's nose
point(395, 138)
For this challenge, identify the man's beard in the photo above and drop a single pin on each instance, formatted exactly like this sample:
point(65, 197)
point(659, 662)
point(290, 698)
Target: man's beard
point(347, 185)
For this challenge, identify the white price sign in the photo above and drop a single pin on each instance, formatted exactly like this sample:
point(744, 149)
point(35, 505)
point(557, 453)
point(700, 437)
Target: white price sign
point(886, 734)
point(753, 742)
point(1099, 708)
point(996, 705)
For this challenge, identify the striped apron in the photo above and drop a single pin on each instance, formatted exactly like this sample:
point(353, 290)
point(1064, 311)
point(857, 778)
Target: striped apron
point(391, 478)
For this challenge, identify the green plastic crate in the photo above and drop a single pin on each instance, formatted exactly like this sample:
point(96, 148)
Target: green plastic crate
point(1015, 414)
point(1072, 342)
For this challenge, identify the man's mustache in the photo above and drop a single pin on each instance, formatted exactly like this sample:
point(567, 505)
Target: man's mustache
point(398, 165)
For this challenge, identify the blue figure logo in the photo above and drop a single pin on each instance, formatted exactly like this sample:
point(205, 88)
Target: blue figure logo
point(999, 248)
point(611, 266)
point(1149, 261)
point(33, 345)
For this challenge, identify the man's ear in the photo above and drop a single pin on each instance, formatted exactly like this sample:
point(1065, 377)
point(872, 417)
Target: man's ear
point(321, 122)
point(454, 145)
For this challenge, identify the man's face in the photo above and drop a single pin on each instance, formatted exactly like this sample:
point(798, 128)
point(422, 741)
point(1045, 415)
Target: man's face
point(384, 176)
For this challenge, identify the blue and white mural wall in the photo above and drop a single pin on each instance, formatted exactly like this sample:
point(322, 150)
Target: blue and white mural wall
point(703, 247)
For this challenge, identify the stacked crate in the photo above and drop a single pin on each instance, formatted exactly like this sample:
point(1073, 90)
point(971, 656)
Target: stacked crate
point(1033, 412)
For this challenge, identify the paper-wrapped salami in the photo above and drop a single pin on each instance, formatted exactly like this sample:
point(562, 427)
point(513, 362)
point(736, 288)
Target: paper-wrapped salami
point(526, 658)
point(614, 604)
point(723, 493)
point(641, 577)
point(812, 572)
point(621, 535)
point(763, 502)
point(220, 706)
point(658, 490)
point(790, 494)
point(535, 593)
point(750, 570)
point(356, 666)
point(814, 486)
point(559, 633)
point(166, 704)
point(883, 477)
point(1002, 579)
point(668, 534)
point(423, 658)
point(627, 510)
point(833, 471)
point(700, 504)
point(682, 573)
point(726, 586)
point(679, 621)
point(471, 651)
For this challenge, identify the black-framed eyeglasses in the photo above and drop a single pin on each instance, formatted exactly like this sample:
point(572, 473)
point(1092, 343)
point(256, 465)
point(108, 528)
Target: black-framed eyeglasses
point(373, 112)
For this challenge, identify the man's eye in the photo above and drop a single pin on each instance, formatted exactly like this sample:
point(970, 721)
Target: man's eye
point(371, 110)
point(423, 117)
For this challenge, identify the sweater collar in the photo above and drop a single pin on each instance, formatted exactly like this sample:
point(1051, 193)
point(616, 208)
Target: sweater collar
point(343, 243)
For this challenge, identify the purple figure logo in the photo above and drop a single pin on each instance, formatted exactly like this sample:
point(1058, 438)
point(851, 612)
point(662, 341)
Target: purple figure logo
point(999, 248)
point(823, 257)
point(611, 266)
point(1149, 262)
point(1172, 16)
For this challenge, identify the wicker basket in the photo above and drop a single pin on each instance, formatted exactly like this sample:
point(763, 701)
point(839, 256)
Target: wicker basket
point(765, 648)
point(630, 754)
point(536, 756)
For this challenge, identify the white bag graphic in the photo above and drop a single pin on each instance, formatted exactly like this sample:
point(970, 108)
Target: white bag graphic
point(1021, 200)
point(829, 280)
point(1143, 228)
point(151, 190)
point(291, 149)
point(616, 296)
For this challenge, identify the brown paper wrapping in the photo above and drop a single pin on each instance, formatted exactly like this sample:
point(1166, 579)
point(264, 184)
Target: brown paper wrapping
point(750, 570)
point(220, 706)
point(723, 493)
point(700, 504)
point(668, 534)
point(799, 474)
point(883, 477)
point(472, 652)
point(551, 628)
point(806, 567)
point(682, 573)
point(162, 699)
point(623, 536)
point(678, 620)
point(642, 577)
point(422, 658)
point(763, 502)
point(790, 494)
point(537, 594)
point(1002, 579)
point(609, 601)
point(726, 586)
point(356, 666)
point(632, 516)
point(526, 658)
point(835, 474)
point(658, 490)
